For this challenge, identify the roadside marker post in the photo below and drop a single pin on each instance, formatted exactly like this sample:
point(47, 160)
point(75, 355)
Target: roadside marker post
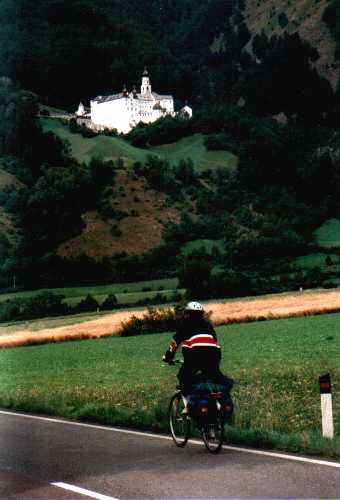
point(326, 405)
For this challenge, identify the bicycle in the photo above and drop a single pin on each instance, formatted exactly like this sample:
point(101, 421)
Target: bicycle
point(209, 418)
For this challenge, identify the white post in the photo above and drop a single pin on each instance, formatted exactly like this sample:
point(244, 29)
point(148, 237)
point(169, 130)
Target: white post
point(326, 406)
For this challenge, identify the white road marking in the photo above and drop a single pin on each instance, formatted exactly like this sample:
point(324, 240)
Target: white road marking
point(169, 438)
point(83, 491)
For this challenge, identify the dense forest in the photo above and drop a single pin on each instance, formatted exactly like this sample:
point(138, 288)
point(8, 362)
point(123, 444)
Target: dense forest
point(57, 52)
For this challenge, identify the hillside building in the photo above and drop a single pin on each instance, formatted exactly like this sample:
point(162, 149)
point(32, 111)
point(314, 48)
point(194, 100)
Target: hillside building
point(125, 110)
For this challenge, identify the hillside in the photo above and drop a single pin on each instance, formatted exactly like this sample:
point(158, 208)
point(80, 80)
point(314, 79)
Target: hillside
point(113, 148)
point(228, 201)
point(144, 211)
point(301, 16)
point(8, 231)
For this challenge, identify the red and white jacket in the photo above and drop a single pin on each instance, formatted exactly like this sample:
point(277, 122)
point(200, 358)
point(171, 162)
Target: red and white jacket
point(192, 337)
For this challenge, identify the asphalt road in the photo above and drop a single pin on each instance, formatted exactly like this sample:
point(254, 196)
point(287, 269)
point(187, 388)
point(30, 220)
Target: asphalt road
point(109, 463)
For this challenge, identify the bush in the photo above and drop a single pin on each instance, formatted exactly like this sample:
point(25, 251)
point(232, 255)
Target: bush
point(110, 132)
point(283, 20)
point(41, 305)
point(216, 142)
point(331, 17)
point(110, 302)
point(195, 275)
point(88, 304)
point(163, 131)
point(115, 231)
point(75, 128)
point(154, 321)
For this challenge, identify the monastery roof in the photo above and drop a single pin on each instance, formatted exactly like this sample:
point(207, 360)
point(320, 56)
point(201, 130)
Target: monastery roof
point(158, 96)
point(142, 97)
point(106, 98)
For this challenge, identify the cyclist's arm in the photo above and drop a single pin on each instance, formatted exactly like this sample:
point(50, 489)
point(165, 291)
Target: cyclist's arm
point(173, 346)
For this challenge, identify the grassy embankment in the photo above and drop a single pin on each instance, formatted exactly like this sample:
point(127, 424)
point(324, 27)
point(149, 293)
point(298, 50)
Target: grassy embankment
point(276, 366)
point(126, 293)
point(327, 239)
point(328, 234)
point(112, 148)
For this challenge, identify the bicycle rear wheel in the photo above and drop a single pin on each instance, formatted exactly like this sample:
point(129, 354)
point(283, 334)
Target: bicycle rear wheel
point(179, 423)
point(213, 435)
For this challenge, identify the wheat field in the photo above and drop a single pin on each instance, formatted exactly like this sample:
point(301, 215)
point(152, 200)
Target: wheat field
point(222, 312)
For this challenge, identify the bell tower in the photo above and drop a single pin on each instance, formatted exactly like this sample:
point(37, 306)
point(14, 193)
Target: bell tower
point(146, 85)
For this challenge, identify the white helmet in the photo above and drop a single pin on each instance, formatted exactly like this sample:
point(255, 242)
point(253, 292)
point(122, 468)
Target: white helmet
point(194, 306)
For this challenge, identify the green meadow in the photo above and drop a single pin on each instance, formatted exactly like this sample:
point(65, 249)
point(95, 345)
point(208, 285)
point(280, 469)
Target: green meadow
point(126, 293)
point(122, 381)
point(112, 148)
point(315, 260)
point(207, 245)
point(328, 234)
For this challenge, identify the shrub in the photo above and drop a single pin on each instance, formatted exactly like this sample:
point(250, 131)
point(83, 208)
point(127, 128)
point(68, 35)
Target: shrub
point(328, 261)
point(39, 306)
point(216, 142)
point(110, 132)
point(163, 131)
point(106, 211)
point(110, 302)
point(195, 276)
point(283, 20)
point(154, 321)
point(87, 305)
point(331, 16)
point(115, 231)
point(75, 128)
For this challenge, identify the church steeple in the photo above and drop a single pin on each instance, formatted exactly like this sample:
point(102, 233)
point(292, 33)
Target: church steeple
point(146, 85)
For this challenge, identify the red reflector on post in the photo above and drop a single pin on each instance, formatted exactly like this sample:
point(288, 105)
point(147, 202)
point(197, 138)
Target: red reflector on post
point(325, 384)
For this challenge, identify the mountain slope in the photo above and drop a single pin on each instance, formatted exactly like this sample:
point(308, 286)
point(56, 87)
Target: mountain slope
point(112, 148)
point(301, 16)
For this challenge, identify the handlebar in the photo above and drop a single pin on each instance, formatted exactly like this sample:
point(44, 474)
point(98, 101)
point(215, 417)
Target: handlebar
point(173, 362)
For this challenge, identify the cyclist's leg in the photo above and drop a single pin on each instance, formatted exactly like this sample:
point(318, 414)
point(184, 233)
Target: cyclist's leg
point(186, 376)
point(211, 368)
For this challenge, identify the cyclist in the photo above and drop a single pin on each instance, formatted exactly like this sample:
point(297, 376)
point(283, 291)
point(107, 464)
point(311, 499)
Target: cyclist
point(201, 352)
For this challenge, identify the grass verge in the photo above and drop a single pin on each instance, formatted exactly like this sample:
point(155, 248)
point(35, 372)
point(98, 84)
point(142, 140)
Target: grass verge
point(122, 381)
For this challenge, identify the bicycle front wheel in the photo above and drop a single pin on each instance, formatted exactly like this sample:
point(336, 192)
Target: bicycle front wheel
point(213, 436)
point(179, 423)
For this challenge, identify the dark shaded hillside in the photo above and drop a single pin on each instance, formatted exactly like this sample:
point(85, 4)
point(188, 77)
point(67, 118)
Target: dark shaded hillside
point(257, 93)
point(307, 18)
point(87, 48)
point(199, 50)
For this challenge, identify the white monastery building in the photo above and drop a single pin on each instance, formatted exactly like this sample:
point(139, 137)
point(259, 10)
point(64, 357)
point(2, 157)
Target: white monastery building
point(125, 110)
